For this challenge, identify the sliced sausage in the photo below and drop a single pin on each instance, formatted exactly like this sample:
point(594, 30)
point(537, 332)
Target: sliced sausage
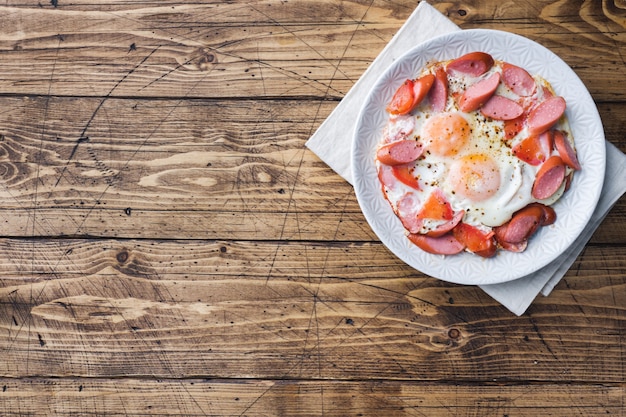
point(399, 152)
point(398, 127)
point(546, 114)
point(549, 178)
point(473, 64)
point(514, 247)
point(477, 94)
point(567, 153)
point(444, 228)
point(518, 80)
point(387, 180)
point(385, 176)
point(443, 245)
point(549, 215)
point(547, 93)
point(501, 108)
point(407, 212)
point(521, 226)
point(568, 180)
point(438, 95)
point(490, 251)
point(513, 235)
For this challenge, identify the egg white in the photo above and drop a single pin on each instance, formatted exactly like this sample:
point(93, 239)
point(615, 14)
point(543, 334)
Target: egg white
point(487, 138)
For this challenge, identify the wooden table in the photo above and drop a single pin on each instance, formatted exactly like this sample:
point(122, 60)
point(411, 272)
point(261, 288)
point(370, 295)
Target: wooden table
point(170, 247)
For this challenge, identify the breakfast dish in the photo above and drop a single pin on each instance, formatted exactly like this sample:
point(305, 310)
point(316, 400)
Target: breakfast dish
point(573, 209)
point(474, 154)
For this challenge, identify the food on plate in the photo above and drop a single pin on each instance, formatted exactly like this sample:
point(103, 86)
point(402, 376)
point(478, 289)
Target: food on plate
point(474, 153)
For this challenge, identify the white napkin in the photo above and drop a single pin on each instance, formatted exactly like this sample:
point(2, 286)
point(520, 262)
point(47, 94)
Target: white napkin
point(425, 23)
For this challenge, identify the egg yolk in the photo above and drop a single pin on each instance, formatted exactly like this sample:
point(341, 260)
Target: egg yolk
point(476, 177)
point(446, 133)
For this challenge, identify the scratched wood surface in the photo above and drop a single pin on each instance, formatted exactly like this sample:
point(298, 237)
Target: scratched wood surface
point(168, 246)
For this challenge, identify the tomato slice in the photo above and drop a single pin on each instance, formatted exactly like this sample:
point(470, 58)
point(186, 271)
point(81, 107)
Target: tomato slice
point(404, 174)
point(475, 240)
point(421, 87)
point(436, 207)
point(513, 127)
point(410, 94)
point(403, 99)
point(534, 149)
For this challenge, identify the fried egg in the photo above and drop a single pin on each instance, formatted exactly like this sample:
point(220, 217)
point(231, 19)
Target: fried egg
point(467, 156)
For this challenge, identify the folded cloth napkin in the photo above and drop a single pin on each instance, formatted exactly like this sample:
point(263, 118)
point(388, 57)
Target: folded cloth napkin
point(425, 23)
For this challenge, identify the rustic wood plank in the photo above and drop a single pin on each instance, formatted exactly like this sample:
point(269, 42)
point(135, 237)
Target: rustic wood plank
point(293, 311)
point(208, 50)
point(260, 49)
point(199, 397)
point(26, 261)
point(296, 224)
point(280, 301)
point(157, 169)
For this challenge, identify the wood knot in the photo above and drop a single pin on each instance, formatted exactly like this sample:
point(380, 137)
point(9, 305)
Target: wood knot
point(454, 333)
point(8, 171)
point(122, 256)
point(206, 60)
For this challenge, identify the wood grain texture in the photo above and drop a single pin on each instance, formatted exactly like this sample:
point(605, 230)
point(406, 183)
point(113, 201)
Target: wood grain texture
point(135, 168)
point(200, 397)
point(238, 310)
point(266, 49)
point(169, 246)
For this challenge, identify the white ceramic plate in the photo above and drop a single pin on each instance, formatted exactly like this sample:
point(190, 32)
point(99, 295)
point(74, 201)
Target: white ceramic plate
point(573, 210)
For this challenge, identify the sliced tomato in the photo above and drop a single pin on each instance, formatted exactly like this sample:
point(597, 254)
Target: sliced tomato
point(404, 173)
point(534, 149)
point(513, 127)
point(436, 207)
point(410, 94)
point(403, 99)
point(475, 240)
point(421, 87)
